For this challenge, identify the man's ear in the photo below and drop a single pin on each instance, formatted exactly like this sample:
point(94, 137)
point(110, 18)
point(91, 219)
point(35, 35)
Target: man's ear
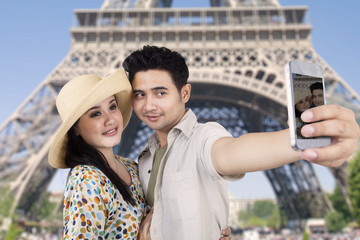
point(185, 93)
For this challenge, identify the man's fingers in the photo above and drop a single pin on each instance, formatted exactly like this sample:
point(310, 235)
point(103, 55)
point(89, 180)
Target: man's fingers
point(337, 128)
point(144, 231)
point(149, 216)
point(339, 125)
point(226, 231)
point(331, 156)
point(325, 112)
point(226, 234)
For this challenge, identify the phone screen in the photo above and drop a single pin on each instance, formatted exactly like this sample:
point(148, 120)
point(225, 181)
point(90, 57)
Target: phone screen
point(308, 93)
point(305, 89)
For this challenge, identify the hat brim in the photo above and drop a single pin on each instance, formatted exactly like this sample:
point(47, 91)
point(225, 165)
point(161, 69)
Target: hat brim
point(116, 84)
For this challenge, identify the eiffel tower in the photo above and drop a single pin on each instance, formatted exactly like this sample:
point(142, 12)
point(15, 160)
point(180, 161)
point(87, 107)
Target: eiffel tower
point(235, 50)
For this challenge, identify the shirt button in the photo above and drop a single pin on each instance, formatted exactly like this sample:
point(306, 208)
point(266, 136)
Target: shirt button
point(149, 171)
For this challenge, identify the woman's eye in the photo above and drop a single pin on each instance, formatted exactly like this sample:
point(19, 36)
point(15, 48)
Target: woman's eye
point(95, 114)
point(112, 107)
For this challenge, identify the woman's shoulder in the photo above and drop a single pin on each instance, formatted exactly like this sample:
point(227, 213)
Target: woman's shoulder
point(89, 183)
point(86, 173)
point(84, 169)
point(127, 161)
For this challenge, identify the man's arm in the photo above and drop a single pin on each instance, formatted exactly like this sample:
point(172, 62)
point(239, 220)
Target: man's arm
point(259, 151)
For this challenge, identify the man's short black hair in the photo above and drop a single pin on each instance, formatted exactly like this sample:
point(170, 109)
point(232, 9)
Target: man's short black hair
point(159, 58)
point(316, 85)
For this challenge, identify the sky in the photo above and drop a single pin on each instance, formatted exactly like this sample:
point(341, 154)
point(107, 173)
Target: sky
point(35, 37)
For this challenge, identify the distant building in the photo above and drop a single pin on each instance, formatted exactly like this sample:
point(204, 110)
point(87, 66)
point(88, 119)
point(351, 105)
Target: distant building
point(316, 226)
point(56, 196)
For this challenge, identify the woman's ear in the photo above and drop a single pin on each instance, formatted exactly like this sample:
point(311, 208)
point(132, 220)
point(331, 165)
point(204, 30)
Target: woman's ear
point(76, 131)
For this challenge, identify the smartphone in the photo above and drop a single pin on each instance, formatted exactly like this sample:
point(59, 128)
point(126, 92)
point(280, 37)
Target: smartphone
point(305, 89)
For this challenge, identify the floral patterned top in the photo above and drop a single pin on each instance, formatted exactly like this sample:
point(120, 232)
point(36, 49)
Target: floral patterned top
point(94, 207)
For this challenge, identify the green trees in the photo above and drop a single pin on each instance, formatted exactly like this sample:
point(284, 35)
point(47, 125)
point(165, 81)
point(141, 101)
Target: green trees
point(262, 213)
point(11, 221)
point(14, 232)
point(306, 236)
point(335, 221)
point(6, 202)
point(263, 208)
point(354, 185)
point(267, 213)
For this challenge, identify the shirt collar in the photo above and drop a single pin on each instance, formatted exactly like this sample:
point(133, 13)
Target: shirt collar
point(185, 125)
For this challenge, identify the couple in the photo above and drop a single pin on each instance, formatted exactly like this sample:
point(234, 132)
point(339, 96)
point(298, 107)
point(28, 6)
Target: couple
point(183, 169)
point(305, 99)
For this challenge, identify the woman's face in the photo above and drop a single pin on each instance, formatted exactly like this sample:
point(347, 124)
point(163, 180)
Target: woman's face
point(303, 104)
point(101, 126)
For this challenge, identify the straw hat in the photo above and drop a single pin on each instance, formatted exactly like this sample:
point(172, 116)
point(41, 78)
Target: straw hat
point(300, 94)
point(79, 95)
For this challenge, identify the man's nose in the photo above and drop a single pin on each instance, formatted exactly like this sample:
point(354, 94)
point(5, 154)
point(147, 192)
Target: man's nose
point(149, 103)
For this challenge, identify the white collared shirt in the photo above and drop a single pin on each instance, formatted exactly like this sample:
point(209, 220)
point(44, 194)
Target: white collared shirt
point(191, 198)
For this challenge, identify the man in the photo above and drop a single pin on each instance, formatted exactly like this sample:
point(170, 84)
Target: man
point(185, 165)
point(317, 92)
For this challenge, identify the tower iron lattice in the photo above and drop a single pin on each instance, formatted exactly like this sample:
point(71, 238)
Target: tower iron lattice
point(235, 50)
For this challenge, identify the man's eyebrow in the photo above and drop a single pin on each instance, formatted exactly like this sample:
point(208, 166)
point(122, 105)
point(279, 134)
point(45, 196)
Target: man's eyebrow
point(152, 89)
point(159, 88)
point(137, 91)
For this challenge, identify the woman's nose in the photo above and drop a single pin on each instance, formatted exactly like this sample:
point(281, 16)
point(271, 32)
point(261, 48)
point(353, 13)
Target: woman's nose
point(109, 119)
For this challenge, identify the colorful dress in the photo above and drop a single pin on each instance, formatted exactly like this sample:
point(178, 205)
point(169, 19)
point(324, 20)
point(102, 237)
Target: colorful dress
point(94, 207)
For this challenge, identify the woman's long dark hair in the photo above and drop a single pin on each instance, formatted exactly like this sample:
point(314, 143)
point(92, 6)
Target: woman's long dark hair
point(297, 112)
point(80, 153)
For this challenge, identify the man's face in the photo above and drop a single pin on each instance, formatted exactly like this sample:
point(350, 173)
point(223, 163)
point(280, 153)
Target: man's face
point(318, 97)
point(156, 100)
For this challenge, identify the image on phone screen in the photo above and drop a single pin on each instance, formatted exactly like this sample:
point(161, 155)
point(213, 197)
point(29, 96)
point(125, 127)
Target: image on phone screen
point(308, 93)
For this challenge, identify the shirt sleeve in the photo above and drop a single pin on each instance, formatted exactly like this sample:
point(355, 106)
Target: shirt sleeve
point(85, 209)
point(209, 134)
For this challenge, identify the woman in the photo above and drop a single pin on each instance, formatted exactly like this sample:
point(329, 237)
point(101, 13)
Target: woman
point(103, 196)
point(302, 103)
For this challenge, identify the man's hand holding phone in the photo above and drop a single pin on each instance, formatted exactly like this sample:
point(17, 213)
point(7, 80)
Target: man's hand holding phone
point(305, 90)
point(325, 134)
point(338, 123)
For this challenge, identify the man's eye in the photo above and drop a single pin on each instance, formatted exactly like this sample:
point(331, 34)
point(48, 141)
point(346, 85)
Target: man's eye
point(139, 95)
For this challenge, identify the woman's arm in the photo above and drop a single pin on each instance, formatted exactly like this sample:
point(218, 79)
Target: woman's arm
point(85, 212)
